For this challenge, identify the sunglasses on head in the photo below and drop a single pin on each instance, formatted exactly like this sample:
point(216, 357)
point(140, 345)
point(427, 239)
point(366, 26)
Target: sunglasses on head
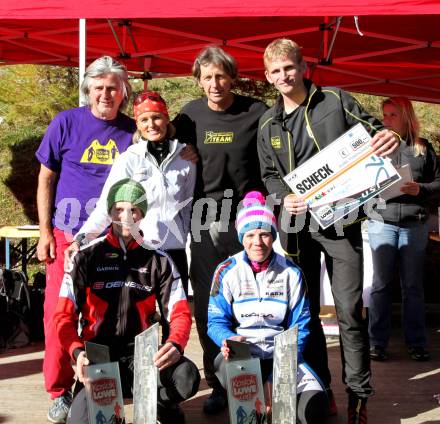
point(148, 96)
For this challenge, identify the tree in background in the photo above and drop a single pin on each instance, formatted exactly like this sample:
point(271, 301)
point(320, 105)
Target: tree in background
point(30, 97)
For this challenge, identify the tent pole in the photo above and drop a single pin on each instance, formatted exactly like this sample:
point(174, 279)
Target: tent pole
point(82, 58)
point(330, 49)
point(147, 67)
point(115, 34)
point(325, 40)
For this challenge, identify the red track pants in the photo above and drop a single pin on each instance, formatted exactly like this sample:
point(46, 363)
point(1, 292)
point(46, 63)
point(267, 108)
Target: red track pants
point(57, 368)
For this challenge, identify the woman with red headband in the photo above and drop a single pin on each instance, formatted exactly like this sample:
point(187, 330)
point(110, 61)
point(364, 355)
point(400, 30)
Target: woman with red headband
point(153, 160)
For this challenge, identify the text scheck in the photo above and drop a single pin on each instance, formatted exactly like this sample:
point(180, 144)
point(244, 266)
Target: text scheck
point(316, 177)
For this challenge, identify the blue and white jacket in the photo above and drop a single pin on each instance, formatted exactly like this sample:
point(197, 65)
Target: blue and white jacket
point(257, 306)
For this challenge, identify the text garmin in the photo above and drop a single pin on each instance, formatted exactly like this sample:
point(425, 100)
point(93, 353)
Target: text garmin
point(316, 177)
point(107, 268)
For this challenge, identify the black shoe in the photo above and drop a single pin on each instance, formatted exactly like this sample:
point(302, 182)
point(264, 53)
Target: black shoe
point(378, 353)
point(216, 402)
point(419, 353)
point(170, 414)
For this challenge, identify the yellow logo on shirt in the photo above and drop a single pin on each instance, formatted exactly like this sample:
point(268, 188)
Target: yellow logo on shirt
point(97, 153)
point(212, 137)
point(276, 142)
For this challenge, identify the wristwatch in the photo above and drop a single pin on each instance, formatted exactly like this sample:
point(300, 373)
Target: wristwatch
point(80, 239)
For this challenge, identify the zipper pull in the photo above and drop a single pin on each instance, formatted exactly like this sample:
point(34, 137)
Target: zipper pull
point(123, 247)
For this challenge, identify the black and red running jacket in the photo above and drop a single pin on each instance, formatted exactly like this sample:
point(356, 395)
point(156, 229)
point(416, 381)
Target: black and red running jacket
point(115, 289)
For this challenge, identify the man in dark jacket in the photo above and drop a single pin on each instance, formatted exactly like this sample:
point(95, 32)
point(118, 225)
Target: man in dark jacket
point(304, 120)
point(223, 127)
point(114, 284)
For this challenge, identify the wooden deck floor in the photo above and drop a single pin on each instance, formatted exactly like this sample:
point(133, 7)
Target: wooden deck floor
point(406, 391)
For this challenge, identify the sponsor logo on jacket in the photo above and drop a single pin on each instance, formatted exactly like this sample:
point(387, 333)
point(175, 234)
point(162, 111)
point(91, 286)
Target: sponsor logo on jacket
point(212, 137)
point(276, 284)
point(275, 142)
point(118, 284)
point(255, 314)
point(274, 294)
point(142, 270)
point(107, 268)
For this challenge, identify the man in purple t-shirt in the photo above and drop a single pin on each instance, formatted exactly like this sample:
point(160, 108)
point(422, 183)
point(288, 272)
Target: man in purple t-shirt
point(76, 155)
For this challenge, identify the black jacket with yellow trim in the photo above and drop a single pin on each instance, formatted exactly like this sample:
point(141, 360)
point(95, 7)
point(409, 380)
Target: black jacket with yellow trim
point(329, 112)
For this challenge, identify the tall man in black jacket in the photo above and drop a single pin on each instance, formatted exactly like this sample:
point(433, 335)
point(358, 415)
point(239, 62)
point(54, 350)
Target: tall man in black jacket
point(223, 127)
point(304, 120)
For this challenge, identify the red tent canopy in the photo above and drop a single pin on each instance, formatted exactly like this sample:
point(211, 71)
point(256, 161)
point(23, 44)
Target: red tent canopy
point(376, 47)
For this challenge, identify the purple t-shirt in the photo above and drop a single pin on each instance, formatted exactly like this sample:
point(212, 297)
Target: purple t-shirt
point(81, 149)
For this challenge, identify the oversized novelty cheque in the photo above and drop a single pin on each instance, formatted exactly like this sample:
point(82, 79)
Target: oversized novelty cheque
point(342, 177)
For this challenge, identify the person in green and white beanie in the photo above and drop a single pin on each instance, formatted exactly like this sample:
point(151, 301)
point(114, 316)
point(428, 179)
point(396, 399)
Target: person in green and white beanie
point(115, 285)
point(127, 205)
point(128, 190)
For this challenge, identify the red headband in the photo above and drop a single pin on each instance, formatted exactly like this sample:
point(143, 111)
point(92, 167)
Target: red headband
point(149, 101)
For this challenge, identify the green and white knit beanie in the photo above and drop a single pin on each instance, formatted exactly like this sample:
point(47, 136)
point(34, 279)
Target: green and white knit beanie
point(128, 190)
